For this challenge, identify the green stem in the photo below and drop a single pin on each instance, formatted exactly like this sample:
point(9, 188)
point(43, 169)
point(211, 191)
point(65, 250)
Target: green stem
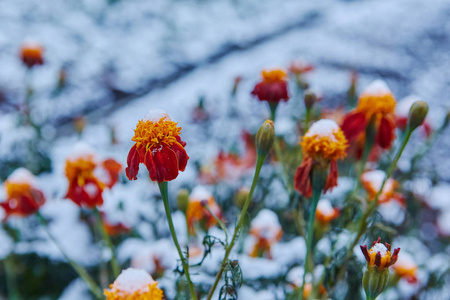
point(273, 110)
point(13, 292)
point(319, 177)
point(259, 163)
point(79, 269)
point(114, 265)
point(307, 119)
point(219, 222)
point(165, 196)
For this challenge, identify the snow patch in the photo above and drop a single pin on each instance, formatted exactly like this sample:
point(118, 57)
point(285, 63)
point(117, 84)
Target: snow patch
point(132, 280)
point(323, 128)
point(155, 115)
point(377, 88)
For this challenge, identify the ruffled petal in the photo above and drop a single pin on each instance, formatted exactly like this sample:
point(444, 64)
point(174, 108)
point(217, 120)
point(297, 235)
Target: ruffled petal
point(165, 164)
point(302, 181)
point(182, 156)
point(386, 133)
point(132, 163)
point(353, 125)
point(332, 177)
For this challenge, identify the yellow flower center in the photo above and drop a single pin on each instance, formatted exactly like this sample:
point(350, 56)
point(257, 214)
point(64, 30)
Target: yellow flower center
point(81, 169)
point(153, 293)
point(385, 259)
point(274, 75)
point(325, 147)
point(17, 189)
point(376, 105)
point(150, 134)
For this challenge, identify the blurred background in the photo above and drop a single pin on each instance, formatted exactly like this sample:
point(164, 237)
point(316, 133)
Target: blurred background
point(107, 62)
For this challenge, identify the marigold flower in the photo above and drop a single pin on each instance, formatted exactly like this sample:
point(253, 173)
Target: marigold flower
point(23, 198)
point(372, 181)
point(402, 114)
point(157, 145)
point(324, 143)
point(325, 213)
point(266, 230)
point(376, 102)
point(380, 255)
point(197, 212)
point(85, 187)
point(273, 87)
point(134, 284)
point(32, 54)
point(406, 268)
point(299, 67)
point(114, 228)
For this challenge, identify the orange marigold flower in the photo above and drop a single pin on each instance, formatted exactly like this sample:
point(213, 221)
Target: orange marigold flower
point(23, 198)
point(380, 255)
point(406, 268)
point(372, 181)
point(300, 67)
point(32, 54)
point(273, 87)
point(85, 189)
point(197, 212)
point(134, 284)
point(377, 102)
point(113, 170)
point(325, 213)
point(324, 143)
point(157, 145)
point(266, 230)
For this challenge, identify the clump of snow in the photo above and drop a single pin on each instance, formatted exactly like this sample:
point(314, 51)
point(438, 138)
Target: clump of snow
point(375, 178)
point(379, 247)
point(439, 197)
point(323, 128)
point(378, 88)
point(443, 223)
point(265, 218)
point(392, 211)
point(6, 242)
point(155, 115)
point(325, 207)
point(81, 150)
point(405, 260)
point(404, 105)
point(200, 193)
point(132, 280)
point(21, 175)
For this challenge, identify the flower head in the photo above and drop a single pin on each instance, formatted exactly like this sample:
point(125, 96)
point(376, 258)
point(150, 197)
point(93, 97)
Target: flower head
point(324, 144)
point(266, 230)
point(134, 284)
point(325, 213)
point(82, 172)
point(197, 212)
point(157, 145)
point(273, 87)
point(376, 104)
point(406, 268)
point(298, 68)
point(380, 255)
point(372, 181)
point(32, 54)
point(23, 198)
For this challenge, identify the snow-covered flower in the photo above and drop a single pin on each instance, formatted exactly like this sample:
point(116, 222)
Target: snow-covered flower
point(32, 54)
point(300, 67)
point(406, 268)
point(266, 230)
point(372, 180)
point(379, 255)
point(157, 145)
point(134, 284)
point(23, 197)
point(273, 87)
point(198, 214)
point(325, 213)
point(323, 144)
point(376, 103)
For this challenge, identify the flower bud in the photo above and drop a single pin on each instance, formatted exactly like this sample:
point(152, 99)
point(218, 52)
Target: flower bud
point(417, 114)
point(183, 200)
point(265, 137)
point(240, 197)
point(310, 99)
point(375, 281)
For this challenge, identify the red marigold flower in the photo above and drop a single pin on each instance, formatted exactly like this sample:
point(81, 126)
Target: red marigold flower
point(380, 255)
point(273, 87)
point(23, 198)
point(376, 102)
point(325, 213)
point(84, 187)
point(134, 284)
point(113, 170)
point(406, 268)
point(324, 143)
point(197, 213)
point(266, 230)
point(114, 228)
point(372, 180)
point(157, 145)
point(32, 54)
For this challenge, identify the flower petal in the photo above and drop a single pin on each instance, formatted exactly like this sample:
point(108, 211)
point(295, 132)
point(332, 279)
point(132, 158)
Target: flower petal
point(162, 164)
point(302, 181)
point(386, 133)
point(181, 154)
point(332, 177)
point(353, 125)
point(132, 163)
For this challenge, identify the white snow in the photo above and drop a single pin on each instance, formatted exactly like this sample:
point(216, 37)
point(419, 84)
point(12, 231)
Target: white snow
point(155, 115)
point(200, 193)
point(377, 88)
point(22, 175)
point(325, 207)
point(379, 247)
point(439, 198)
point(266, 219)
point(404, 105)
point(376, 177)
point(81, 150)
point(132, 280)
point(323, 128)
